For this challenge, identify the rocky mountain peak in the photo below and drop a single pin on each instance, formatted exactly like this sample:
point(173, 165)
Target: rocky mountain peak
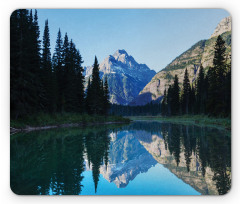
point(122, 56)
point(200, 53)
point(126, 77)
point(120, 52)
point(224, 26)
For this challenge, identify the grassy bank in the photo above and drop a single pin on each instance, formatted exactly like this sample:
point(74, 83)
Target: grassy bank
point(201, 120)
point(42, 120)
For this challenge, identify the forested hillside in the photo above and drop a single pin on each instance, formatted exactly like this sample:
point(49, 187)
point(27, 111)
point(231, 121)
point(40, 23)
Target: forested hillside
point(41, 83)
point(209, 93)
point(202, 53)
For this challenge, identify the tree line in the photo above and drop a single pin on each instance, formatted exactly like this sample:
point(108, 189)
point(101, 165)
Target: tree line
point(41, 83)
point(64, 175)
point(209, 94)
point(152, 108)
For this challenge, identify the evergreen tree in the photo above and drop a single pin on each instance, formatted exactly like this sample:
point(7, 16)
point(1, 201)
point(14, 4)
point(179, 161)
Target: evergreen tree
point(187, 147)
point(164, 103)
point(200, 91)
point(106, 103)
point(192, 100)
point(228, 91)
point(102, 99)
point(79, 82)
point(36, 59)
point(70, 86)
point(48, 76)
point(175, 103)
point(216, 78)
point(186, 93)
point(169, 100)
point(18, 30)
point(37, 81)
point(219, 60)
point(33, 53)
point(65, 80)
point(58, 69)
point(96, 88)
point(89, 98)
point(24, 63)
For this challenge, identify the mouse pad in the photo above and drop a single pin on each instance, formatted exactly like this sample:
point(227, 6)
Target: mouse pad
point(120, 102)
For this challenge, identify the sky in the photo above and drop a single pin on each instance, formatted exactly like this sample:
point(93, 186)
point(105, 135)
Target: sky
point(153, 37)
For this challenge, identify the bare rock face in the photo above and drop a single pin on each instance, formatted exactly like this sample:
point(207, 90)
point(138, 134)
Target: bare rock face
point(127, 159)
point(200, 53)
point(224, 26)
point(165, 77)
point(194, 177)
point(126, 77)
point(223, 29)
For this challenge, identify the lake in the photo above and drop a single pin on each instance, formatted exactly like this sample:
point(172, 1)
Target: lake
point(140, 158)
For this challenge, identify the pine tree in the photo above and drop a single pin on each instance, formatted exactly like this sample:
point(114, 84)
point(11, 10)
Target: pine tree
point(169, 100)
point(216, 78)
point(89, 98)
point(47, 74)
point(37, 81)
point(79, 82)
point(24, 65)
point(102, 98)
point(200, 91)
point(219, 60)
point(106, 103)
point(70, 86)
point(192, 100)
point(57, 62)
point(65, 80)
point(186, 93)
point(18, 24)
point(175, 104)
point(228, 91)
point(36, 62)
point(164, 103)
point(96, 88)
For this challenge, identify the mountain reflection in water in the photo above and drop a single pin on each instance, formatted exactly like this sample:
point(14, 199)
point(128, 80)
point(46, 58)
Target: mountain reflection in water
point(195, 159)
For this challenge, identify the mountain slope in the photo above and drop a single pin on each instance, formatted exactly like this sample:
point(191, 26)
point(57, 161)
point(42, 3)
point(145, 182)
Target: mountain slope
point(126, 78)
point(201, 52)
point(127, 159)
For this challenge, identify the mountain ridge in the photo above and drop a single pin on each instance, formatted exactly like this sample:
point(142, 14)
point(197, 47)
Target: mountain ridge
point(201, 52)
point(126, 77)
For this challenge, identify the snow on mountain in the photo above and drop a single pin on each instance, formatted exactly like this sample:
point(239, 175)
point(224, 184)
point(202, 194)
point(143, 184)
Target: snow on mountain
point(126, 77)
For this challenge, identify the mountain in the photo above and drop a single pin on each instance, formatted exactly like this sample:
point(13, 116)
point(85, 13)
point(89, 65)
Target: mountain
point(225, 25)
point(157, 148)
point(142, 146)
point(127, 159)
point(200, 53)
point(126, 77)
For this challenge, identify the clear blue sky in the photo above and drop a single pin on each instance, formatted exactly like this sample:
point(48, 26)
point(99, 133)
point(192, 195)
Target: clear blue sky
point(154, 37)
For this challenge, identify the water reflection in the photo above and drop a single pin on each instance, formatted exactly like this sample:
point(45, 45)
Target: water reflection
point(52, 162)
point(55, 161)
point(196, 150)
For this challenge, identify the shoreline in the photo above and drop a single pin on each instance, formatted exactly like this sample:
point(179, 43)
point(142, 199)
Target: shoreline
point(65, 125)
point(45, 121)
point(66, 121)
point(199, 120)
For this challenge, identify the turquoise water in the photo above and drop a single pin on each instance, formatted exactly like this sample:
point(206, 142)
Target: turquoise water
point(157, 181)
point(142, 158)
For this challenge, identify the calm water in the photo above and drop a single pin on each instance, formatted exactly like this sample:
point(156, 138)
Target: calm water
point(143, 158)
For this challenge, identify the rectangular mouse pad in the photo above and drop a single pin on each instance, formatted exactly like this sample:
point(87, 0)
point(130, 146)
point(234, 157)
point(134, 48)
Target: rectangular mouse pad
point(120, 102)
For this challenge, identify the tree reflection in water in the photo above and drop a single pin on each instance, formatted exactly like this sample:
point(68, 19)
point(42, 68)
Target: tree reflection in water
point(53, 161)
